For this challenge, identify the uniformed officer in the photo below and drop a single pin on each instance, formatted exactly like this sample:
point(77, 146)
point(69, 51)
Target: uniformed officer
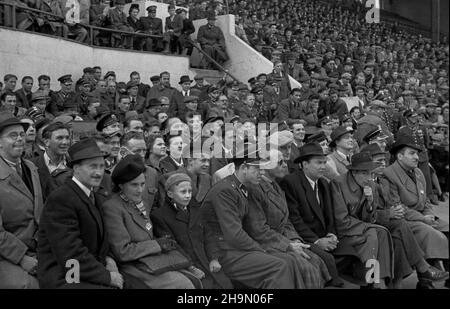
point(62, 99)
point(225, 212)
point(152, 25)
point(108, 124)
point(212, 41)
point(263, 108)
point(419, 134)
point(248, 110)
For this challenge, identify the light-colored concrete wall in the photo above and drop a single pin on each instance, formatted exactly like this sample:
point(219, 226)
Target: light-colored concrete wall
point(245, 62)
point(33, 54)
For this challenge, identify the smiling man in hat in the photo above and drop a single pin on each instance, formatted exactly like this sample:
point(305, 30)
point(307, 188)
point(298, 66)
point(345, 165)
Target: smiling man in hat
point(20, 208)
point(407, 186)
point(177, 108)
point(212, 41)
point(72, 231)
point(225, 210)
point(355, 203)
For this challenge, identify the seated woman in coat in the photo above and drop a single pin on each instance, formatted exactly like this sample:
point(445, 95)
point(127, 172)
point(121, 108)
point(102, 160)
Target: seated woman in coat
point(270, 226)
point(130, 230)
point(180, 218)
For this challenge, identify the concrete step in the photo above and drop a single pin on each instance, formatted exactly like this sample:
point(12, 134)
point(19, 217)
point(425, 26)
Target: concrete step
point(210, 76)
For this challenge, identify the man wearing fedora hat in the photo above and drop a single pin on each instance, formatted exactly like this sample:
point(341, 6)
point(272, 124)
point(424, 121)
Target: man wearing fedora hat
point(177, 106)
point(308, 197)
point(72, 231)
point(20, 208)
point(212, 41)
point(355, 203)
point(225, 211)
point(407, 186)
point(342, 144)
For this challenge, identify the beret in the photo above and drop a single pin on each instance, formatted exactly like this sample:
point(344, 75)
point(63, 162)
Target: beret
point(128, 169)
point(175, 179)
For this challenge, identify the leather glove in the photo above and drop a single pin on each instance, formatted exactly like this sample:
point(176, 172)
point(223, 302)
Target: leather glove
point(166, 243)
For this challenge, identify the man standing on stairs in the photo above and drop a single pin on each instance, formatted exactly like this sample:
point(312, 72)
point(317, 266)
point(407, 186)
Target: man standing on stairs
point(212, 41)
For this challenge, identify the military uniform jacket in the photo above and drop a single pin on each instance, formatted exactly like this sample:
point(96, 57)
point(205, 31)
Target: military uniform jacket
point(269, 222)
point(210, 35)
point(225, 212)
point(151, 25)
point(60, 101)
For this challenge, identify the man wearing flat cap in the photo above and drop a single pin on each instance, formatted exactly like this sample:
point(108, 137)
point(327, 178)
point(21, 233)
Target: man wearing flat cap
point(152, 25)
point(212, 41)
point(20, 208)
point(73, 232)
point(61, 100)
point(225, 210)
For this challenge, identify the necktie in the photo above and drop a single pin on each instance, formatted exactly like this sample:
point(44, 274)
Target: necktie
point(316, 193)
point(92, 198)
point(19, 169)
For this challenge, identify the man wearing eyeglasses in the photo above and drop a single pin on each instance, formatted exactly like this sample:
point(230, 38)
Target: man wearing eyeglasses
point(20, 207)
point(64, 98)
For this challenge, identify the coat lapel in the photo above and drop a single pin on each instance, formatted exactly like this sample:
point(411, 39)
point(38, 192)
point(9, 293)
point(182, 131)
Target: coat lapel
point(93, 209)
point(407, 182)
point(137, 218)
point(14, 179)
point(310, 197)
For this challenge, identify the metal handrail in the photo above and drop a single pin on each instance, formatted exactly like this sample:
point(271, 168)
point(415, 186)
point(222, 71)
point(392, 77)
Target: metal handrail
point(221, 68)
point(62, 19)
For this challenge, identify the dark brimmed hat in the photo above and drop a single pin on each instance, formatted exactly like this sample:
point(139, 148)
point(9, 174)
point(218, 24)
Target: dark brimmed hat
point(128, 169)
point(185, 79)
point(155, 78)
point(110, 73)
point(317, 137)
point(153, 103)
point(362, 161)
point(132, 84)
point(403, 141)
point(338, 132)
point(309, 150)
point(190, 98)
point(375, 132)
point(8, 120)
point(213, 119)
point(84, 149)
point(175, 179)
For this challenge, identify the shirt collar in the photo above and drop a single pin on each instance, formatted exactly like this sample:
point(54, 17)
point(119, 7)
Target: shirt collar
point(85, 189)
point(53, 166)
point(176, 162)
point(341, 154)
point(311, 182)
